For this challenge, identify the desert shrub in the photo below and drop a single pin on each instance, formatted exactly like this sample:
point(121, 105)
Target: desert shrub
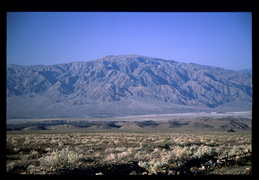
point(10, 167)
point(248, 148)
point(195, 151)
point(143, 164)
point(60, 158)
point(111, 157)
point(205, 152)
point(141, 155)
point(16, 167)
point(188, 151)
point(236, 150)
point(115, 150)
point(182, 152)
point(157, 166)
point(153, 165)
point(117, 155)
point(123, 155)
point(31, 169)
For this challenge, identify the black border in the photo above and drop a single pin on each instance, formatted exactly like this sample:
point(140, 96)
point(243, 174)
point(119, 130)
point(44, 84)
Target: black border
point(128, 6)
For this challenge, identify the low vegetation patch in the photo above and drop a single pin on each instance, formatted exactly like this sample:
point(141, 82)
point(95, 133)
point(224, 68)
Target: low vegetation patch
point(131, 153)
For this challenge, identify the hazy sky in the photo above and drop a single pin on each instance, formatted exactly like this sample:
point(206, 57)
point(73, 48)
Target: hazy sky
point(217, 39)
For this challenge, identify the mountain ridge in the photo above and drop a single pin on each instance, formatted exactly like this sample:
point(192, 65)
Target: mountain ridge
point(122, 80)
point(249, 71)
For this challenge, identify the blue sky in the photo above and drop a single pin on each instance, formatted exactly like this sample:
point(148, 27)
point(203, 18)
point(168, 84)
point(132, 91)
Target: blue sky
point(216, 39)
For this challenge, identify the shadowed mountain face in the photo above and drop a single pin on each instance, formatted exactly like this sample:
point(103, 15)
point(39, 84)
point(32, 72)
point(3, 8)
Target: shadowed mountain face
point(123, 85)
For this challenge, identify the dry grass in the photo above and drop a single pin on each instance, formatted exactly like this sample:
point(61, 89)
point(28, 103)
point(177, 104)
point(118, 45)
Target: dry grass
point(154, 152)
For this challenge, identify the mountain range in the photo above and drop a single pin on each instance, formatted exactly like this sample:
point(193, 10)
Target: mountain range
point(124, 85)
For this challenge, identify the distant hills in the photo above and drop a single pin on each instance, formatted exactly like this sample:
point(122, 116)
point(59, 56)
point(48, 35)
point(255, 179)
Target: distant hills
point(199, 123)
point(124, 85)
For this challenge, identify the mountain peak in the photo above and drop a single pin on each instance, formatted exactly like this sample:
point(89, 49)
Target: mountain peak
point(122, 57)
point(130, 58)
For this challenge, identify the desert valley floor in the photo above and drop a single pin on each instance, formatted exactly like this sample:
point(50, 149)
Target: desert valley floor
point(215, 144)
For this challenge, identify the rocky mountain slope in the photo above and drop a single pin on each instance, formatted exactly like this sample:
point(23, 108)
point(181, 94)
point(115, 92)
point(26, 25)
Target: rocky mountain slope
point(123, 85)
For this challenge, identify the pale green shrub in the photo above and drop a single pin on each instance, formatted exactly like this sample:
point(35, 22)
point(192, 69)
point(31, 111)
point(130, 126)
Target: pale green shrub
point(236, 150)
point(205, 152)
point(184, 152)
point(153, 165)
point(60, 158)
point(143, 164)
point(157, 166)
point(10, 166)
